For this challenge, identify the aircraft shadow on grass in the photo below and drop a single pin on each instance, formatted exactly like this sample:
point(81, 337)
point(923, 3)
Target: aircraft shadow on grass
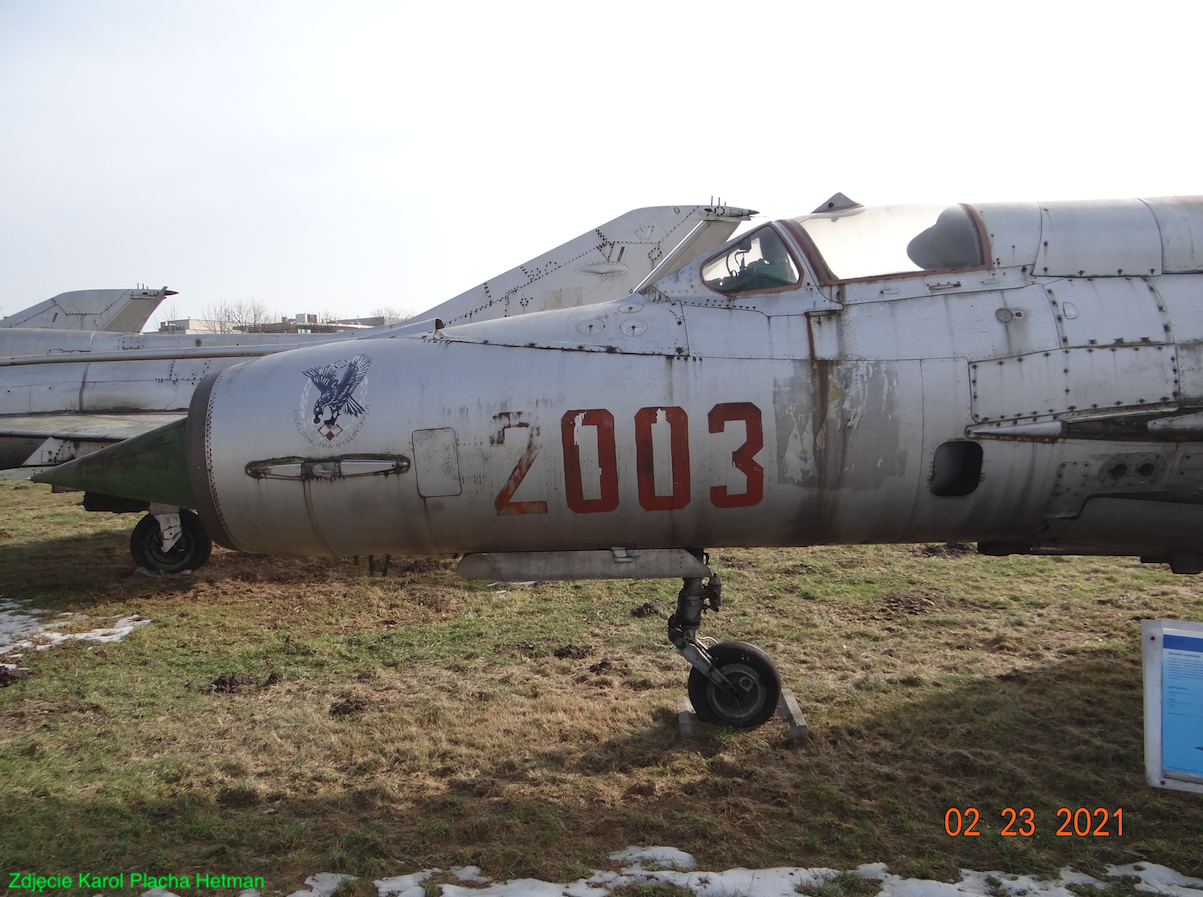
point(1068, 734)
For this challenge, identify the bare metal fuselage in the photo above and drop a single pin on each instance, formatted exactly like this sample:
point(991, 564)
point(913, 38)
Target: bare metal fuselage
point(1041, 399)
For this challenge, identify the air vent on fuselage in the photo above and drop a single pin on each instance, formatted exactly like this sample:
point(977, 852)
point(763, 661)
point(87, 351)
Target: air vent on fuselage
point(956, 469)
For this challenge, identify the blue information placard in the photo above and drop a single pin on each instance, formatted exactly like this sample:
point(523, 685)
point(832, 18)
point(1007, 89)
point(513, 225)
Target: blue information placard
point(1173, 673)
point(1182, 704)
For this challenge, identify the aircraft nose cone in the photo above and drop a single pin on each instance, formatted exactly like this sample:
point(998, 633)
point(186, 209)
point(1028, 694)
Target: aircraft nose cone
point(150, 467)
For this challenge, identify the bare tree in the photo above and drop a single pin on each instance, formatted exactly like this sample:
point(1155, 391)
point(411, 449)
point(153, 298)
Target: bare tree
point(170, 314)
point(391, 314)
point(239, 316)
point(215, 317)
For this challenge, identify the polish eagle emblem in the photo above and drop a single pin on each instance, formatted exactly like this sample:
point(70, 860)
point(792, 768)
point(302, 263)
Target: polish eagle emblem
point(336, 384)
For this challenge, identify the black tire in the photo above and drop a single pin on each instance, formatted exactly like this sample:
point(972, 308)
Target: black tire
point(189, 553)
point(738, 661)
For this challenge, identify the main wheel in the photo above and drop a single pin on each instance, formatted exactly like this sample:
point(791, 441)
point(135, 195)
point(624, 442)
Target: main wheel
point(752, 673)
point(188, 553)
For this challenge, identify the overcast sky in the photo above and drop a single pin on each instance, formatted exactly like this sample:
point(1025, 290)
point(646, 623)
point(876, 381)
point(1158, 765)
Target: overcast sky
point(346, 156)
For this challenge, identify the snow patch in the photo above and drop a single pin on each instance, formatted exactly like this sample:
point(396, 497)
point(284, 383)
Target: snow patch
point(1160, 879)
point(650, 866)
point(34, 630)
point(324, 884)
point(642, 858)
point(404, 885)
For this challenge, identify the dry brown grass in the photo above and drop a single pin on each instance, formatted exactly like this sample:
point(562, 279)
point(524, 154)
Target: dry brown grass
point(417, 720)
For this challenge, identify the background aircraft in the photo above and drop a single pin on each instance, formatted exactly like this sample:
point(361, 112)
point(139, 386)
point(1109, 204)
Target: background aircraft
point(1027, 376)
point(112, 311)
point(63, 395)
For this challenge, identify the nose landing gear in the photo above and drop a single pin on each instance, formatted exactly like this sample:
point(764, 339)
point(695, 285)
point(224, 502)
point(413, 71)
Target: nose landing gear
point(732, 683)
point(170, 542)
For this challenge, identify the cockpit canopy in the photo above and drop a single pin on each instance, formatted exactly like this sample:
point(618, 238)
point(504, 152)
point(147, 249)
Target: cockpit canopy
point(851, 243)
point(863, 242)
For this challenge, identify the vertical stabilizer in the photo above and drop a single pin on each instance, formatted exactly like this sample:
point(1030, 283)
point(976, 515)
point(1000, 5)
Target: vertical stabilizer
point(606, 263)
point(114, 311)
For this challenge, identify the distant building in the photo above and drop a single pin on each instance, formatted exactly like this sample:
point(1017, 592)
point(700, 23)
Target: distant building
point(193, 325)
point(303, 323)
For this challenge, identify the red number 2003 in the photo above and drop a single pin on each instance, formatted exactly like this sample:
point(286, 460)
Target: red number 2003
point(605, 475)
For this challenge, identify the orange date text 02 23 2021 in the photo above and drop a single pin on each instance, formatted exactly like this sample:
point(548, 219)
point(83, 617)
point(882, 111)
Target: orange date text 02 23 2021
point(1080, 822)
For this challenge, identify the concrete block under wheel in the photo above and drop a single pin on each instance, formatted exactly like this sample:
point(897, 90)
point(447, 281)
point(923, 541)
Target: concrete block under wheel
point(787, 710)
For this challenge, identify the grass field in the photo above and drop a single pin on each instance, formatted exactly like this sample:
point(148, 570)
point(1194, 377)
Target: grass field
point(281, 717)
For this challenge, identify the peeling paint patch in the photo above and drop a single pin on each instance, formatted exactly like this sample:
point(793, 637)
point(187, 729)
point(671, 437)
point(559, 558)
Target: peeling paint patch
point(798, 462)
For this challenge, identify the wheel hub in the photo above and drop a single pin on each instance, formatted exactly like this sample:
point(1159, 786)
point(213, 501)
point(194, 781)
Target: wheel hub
point(736, 710)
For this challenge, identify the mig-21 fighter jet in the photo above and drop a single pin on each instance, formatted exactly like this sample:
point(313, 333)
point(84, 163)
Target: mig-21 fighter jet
point(1028, 376)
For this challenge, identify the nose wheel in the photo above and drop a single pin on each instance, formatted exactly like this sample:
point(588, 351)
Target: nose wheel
point(757, 686)
point(188, 550)
point(732, 683)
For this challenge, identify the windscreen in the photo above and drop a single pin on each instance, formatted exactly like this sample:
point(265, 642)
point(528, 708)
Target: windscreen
point(759, 261)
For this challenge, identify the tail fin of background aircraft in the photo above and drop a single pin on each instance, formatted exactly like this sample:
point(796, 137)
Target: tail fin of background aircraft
point(115, 311)
point(606, 263)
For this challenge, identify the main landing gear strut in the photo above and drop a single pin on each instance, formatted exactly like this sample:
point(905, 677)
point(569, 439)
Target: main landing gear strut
point(732, 683)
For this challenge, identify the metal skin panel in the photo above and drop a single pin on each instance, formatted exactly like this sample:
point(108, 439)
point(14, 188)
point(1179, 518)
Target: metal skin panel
point(633, 325)
point(1014, 232)
point(945, 407)
point(436, 463)
point(1109, 525)
point(141, 385)
point(44, 390)
point(1182, 298)
point(1098, 238)
point(1087, 380)
point(1133, 470)
point(1180, 220)
point(916, 285)
point(978, 325)
point(867, 443)
point(117, 387)
point(1108, 311)
point(90, 375)
point(517, 566)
